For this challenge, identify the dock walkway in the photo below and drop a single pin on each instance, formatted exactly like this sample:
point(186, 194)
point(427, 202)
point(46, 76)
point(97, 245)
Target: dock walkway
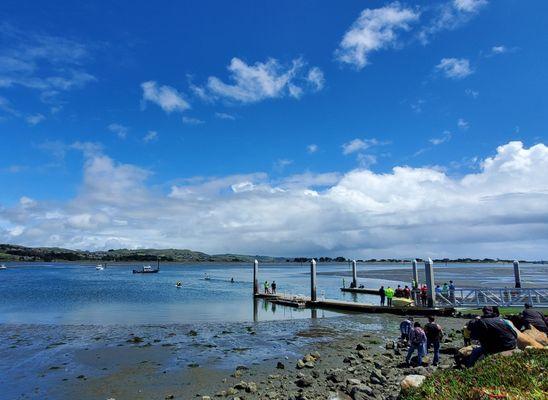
point(339, 305)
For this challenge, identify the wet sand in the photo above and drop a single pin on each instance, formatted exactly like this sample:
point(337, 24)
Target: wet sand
point(157, 362)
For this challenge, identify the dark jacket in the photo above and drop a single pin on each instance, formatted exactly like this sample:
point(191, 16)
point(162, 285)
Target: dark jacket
point(494, 334)
point(433, 332)
point(535, 318)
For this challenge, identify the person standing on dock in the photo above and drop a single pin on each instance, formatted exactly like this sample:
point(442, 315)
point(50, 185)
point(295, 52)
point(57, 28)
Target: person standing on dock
point(424, 295)
point(434, 333)
point(382, 295)
point(451, 292)
point(417, 340)
point(389, 295)
point(266, 288)
point(273, 287)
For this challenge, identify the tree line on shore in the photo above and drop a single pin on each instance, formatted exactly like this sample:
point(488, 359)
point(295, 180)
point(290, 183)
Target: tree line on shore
point(10, 252)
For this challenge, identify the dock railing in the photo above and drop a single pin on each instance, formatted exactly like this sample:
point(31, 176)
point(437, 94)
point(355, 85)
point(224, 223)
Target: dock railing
point(501, 297)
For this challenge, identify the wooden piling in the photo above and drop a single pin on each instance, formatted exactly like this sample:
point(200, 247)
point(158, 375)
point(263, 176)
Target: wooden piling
point(256, 277)
point(430, 282)
point(517, 274)
point(354, 274)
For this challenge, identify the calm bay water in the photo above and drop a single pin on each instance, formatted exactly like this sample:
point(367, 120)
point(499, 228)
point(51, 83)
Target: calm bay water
point(80, 294)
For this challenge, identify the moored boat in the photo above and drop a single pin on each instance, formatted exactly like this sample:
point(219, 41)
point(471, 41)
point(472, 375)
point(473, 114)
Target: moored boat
point(147, 269)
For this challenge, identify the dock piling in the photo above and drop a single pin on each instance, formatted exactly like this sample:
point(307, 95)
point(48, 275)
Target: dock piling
point(517, 274)
point(256, 277)
point(354, 274)
point(313, 296)
point(430, 282)
point(415, 275)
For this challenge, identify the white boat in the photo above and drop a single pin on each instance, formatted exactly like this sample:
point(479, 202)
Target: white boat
point(99, 267)
point(2, 266)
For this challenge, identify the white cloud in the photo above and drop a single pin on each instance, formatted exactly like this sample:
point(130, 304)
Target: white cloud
point(150, 136)
point(316, 78)
point(498, 49)
point(358, 145)
point(445, 137)
point(312, 148)
point(168, 98)
point(280, 164)
point(499, 211)
point(455, 68)
point(449, 16)
point(375, 29)
point(262, 80)
point(192, 121)
point(470, 6)
point(46, 63)
point(222, 115)
point(119, 129)
point(472, 93)
point(35, 119)
point(463, 124)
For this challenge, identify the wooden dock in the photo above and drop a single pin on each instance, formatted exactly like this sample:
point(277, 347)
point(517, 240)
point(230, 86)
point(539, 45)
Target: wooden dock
point(339, 305)
point(360, 290)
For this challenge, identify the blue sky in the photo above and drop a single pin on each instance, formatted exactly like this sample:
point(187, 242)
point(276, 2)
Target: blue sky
point(184, 104)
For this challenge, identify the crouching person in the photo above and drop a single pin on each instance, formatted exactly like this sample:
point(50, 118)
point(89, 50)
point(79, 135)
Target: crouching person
point(493, 334)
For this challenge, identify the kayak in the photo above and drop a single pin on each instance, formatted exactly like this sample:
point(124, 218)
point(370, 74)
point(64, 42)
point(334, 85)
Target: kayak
point(402, 302)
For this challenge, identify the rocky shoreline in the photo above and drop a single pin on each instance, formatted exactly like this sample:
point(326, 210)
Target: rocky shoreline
point(357, 368)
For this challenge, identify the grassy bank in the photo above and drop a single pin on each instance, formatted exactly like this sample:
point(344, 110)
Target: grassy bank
point(504, 311)
point(520, 376)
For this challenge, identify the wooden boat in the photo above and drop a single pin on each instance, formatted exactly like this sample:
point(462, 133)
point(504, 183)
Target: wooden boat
point(147, 269)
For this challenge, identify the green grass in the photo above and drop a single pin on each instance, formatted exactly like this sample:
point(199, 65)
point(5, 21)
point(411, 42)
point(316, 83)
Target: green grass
point(518, 377)
point(503, 311)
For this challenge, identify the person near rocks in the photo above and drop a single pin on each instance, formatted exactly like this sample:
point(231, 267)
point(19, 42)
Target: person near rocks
point(466, 335)
point(398, 292)
point(382, 294)
point(417, 341)
point(405, 327)
point(424, 295)
point(273, 286)
point(434, 333)
point(389, 295)
point(494, 334)
point(532, 317)
point(266, 288)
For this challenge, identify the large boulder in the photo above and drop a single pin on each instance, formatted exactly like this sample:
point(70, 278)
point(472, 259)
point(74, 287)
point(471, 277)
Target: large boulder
point(525, 340)
point(412, 381)
point(538, 336)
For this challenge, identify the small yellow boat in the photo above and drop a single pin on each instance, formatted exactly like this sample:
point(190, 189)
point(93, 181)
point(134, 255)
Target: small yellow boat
point(402, 302)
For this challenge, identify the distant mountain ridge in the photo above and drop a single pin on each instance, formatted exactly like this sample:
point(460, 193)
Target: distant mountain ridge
point(9, 252)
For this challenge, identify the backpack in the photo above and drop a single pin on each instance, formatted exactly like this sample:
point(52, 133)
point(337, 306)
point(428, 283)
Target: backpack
point(418, 335)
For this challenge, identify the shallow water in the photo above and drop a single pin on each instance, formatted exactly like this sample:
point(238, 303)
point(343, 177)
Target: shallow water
point(79, 294)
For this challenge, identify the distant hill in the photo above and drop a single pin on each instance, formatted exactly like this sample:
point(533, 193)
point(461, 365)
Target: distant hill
point(9, 252)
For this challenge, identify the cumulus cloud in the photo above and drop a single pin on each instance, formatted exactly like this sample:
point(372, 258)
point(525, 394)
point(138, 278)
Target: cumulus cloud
point(375, 29)
point(251, 83)
point(168, 98)
point(312, 148)
point(501, 210)
point(455, 68)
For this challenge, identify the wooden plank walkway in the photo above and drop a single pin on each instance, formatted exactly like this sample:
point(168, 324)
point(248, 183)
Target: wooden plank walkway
point(304, 302)
point(360, 290)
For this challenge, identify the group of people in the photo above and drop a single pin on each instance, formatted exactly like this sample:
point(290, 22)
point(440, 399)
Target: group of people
point(389, 293)
point(270, 288)
point(417, 292)
point(421, 339)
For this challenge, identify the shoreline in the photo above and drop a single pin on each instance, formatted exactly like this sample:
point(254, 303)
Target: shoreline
point(158, 361)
